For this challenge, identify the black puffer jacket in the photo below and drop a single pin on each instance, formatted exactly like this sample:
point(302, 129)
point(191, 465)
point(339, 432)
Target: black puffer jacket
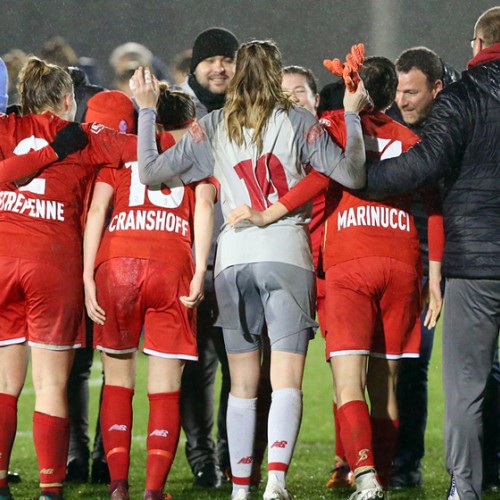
point(460, 147)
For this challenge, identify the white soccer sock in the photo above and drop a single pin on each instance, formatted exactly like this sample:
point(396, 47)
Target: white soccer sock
point(285, 416)
point(241, 418)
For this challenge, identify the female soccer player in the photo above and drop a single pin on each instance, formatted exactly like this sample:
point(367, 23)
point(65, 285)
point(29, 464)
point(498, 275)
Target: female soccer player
point(256, 147)
point(41, 289)
point(371, 257)
point(139, 271)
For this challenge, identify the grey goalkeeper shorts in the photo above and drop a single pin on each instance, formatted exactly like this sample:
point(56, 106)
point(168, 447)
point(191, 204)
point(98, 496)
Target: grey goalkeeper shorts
point(281, 296)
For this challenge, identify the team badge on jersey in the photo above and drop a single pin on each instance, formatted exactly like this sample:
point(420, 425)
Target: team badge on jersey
point(314, 133)
point(197, 133)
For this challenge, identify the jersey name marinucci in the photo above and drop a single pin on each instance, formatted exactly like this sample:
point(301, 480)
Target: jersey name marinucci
point(148, 222)
point(42, 220)
point(356, 227)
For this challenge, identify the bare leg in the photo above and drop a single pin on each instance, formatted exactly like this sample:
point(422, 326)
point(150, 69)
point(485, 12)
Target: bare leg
point(349, 374)
point(50, 372)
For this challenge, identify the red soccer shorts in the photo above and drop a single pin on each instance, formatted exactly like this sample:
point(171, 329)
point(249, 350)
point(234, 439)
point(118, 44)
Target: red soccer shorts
point(41, 302)
point(373, 308)
point(137, 292)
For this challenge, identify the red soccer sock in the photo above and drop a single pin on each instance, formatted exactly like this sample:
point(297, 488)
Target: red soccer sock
point(116, 428)
point(163, 436)
point(8, 427)
point(51, 437)
point(355, 431)
point(384, 439)
point(339, 447)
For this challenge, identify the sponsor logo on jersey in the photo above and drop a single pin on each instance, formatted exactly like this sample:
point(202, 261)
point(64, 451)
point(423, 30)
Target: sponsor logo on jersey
point(197, 133)
point(160, 433)
point(279, 444)
point(11, 201)
point(96, 128)
point(375, 216)
point(314, 133)
point(149, 220)
point(118, 427)
point(245, 460)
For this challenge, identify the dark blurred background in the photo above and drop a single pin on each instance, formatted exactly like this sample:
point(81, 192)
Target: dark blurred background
point(306, 31)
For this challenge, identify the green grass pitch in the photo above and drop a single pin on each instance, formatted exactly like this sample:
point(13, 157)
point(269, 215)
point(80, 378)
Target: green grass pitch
point(312, 461)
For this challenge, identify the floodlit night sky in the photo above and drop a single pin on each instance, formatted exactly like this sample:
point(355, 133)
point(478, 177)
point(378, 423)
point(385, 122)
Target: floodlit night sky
point(306, 31)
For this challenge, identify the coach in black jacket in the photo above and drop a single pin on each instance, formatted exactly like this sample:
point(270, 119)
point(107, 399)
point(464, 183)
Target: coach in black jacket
point(460, 148)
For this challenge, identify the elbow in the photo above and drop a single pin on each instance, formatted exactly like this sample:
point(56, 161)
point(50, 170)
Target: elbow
point(357, 180)
point(358, 183)
point(143, 176)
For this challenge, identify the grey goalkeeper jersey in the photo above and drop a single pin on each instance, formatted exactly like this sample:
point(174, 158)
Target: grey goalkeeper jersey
point(293, 139)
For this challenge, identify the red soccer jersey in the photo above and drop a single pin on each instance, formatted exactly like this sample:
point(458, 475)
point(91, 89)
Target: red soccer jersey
point(148, 222)
point(42, 219)
point(316, 227)
point(356, 227)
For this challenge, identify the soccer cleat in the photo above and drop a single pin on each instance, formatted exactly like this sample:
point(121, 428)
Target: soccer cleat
point(274, 490)
point(342, 477)
point(368, 494)
point(368, 488)
point(452, 491)
point(241, 494)
point(120, 493)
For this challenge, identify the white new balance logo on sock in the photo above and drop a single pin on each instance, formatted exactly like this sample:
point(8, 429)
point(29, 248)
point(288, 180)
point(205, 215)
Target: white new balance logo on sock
point(160, 433)
point(118, 427)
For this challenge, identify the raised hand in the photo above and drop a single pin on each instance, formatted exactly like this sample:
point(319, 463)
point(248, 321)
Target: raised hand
point(358, 100)
point(145, 88)
point(349, 70)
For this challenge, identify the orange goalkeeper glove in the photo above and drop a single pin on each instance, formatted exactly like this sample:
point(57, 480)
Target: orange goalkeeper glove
point(349, 70)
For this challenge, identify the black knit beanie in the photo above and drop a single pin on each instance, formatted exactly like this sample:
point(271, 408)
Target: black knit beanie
point(213, 42)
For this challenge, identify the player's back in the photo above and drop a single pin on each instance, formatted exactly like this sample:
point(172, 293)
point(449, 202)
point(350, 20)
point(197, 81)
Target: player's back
point(41, 218)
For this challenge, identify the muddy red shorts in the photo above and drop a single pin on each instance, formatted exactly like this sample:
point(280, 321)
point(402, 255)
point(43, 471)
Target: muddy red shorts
point(137, 292)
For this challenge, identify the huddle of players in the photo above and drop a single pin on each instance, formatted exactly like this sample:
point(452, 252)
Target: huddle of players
point(135, 236)
point(137, 282)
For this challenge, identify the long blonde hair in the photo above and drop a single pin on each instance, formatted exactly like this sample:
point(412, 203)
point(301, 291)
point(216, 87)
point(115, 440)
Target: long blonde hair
point(254, 91)
point(42, 86)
